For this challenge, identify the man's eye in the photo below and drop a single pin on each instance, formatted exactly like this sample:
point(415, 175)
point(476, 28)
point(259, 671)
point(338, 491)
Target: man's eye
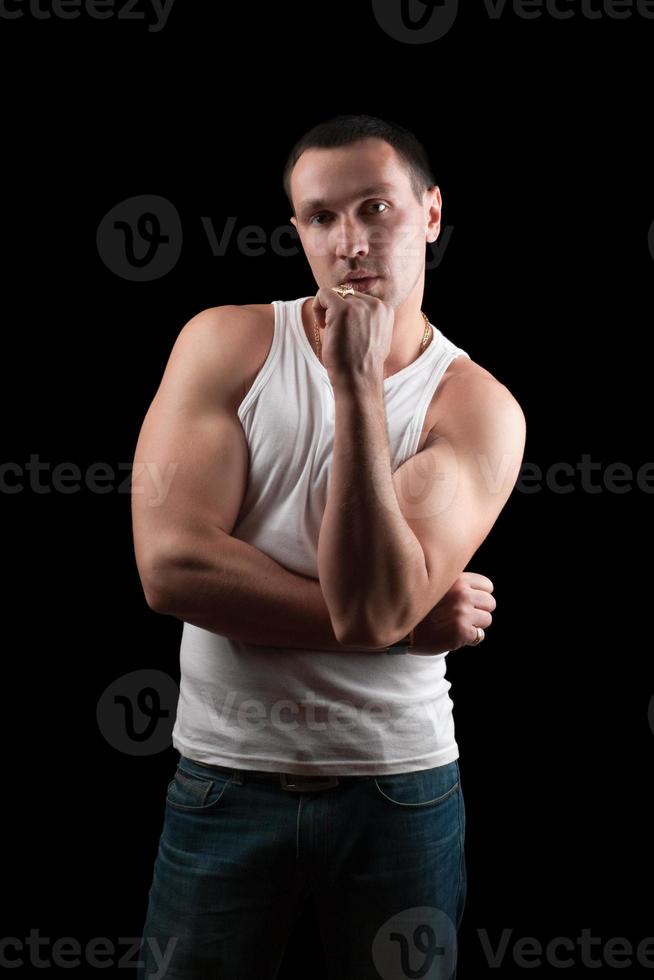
point(373, 205)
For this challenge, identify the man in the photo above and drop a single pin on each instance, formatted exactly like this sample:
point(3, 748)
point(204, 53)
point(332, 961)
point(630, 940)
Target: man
point(294, 548)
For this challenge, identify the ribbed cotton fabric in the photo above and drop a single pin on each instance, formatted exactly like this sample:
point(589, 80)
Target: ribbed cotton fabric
point(302, 711)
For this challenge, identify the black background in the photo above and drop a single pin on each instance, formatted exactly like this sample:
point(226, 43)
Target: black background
point(539, 133)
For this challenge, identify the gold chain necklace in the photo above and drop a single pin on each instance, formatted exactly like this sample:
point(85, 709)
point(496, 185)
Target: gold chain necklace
point(425, 336)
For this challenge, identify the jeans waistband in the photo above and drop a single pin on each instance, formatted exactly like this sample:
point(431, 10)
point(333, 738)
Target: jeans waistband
point(287, 780)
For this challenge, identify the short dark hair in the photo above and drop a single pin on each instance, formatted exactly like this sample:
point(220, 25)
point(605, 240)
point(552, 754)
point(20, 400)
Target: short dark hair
point(344, 129)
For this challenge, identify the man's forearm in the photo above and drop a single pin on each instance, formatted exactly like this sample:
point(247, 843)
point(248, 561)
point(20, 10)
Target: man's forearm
point(229, 587)
point(369, 560)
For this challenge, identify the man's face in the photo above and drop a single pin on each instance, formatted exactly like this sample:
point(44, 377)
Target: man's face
point(355, 209)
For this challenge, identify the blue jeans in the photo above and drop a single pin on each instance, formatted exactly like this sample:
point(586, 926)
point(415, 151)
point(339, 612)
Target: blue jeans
point(383, 857)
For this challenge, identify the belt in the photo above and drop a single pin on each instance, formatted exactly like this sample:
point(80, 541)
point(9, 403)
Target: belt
point(291, 781)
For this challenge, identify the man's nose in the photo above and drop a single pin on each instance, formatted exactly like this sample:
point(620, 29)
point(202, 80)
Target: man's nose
point(350, 239)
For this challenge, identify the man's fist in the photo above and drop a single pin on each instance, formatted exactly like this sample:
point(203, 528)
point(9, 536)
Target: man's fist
point(358, 334)
point(451, 624)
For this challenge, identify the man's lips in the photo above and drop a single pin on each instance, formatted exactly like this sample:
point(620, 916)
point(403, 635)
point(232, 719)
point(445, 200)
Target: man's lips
point(361, 285)
point(361, 274)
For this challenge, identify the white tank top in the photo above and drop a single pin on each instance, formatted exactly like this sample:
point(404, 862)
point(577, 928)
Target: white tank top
point(293, 710)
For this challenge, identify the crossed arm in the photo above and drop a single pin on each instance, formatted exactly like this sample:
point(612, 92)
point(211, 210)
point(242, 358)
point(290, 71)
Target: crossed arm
point(191, 566)
point(391, 545)
point(189, 478)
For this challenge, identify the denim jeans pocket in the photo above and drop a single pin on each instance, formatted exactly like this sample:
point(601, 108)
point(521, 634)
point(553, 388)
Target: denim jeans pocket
point(422, 788)
point(191, 790)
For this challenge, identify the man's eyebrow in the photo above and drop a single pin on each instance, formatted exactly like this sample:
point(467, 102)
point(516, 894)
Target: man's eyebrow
point(317, 203)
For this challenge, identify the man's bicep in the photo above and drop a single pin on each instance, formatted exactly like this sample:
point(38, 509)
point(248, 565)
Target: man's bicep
point(191, 461)
point(452, 492)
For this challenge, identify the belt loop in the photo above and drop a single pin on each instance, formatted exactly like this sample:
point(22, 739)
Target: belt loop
point(237, 777)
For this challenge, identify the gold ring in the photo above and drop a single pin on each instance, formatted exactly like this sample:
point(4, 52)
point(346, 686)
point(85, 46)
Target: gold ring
point(344, 290)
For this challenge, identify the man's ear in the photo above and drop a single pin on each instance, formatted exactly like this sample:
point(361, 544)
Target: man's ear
point(435, 211)
point(294, 222)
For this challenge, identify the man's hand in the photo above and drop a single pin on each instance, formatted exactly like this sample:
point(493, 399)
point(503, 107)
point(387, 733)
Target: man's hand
point(358, 333)
point(451, 624)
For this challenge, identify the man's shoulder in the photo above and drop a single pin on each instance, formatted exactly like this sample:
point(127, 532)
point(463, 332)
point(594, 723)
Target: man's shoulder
point(467, 379)
point(250, 330)
point(469, 392)
point(261, 309)
point(229, 313)
point(232, 340)
point(239, 326)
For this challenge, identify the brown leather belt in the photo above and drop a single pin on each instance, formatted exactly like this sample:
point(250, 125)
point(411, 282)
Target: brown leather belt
point(291, 781)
